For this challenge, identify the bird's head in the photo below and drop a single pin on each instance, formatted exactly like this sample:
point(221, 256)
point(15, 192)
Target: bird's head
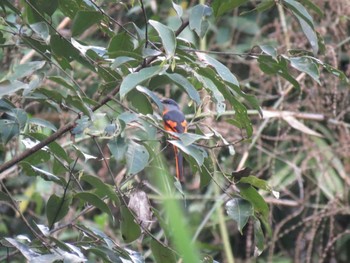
point(170, 104)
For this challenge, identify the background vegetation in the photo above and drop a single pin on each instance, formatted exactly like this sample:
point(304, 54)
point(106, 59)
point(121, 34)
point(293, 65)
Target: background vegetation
point(87, 171)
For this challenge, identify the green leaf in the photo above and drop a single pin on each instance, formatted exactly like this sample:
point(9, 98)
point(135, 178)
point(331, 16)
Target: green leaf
point(101, 186)
point(54, 147)
point(126, 117)
point(198, 16)
point(119, 61)
point(6, 105)
point(152, 95)
point(5, 197)
point(130, 230)
point(183, 82)
point(37, 45)
point(120, 42)
point(26, 251)
point(239, 210)
point(8, 130)
point(63, 82)
point(167, 37)
point(70, 8)
point(51, 95)
point(269, 50)
point(218, 97)
point(79, 104)
point(162, 254)
point(44, 6)
point(250, 194)
point(220, 68)
point(57, 208)
point(272, 66)
point(83, 20)
point(136, 158)
point(241, 116)
point(220, 7)
point(194, 151)
point(265, 5)
point(42, 29)
point(306, 22)
point(19, 116)
point(206, 172)
point(42, 123)
point(189, 138)
point(305, 64)
point(94, 200)
point(47, 176)
point(24, 70)
point(4, 3)
point(118, 148)
point(38, 157)
point(258, 238)
point(256, 182)
point(178, 9)
point(313, 6)
point(139, 102)
point(133, 79)
point(63, 48)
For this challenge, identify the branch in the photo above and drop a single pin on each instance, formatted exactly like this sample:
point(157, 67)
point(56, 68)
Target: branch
point(69, 126)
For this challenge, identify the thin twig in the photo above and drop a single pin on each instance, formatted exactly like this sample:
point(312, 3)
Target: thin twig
point(146, 28)
point(146, 22)
point(64, 194)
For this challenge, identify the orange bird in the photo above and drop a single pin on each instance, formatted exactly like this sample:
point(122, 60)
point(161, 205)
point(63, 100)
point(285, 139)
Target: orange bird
point(174, 121)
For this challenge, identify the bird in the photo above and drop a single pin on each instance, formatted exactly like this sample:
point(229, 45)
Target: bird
point(175, 121)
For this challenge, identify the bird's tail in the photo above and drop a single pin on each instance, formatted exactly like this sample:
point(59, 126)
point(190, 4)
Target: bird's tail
point(179, 164)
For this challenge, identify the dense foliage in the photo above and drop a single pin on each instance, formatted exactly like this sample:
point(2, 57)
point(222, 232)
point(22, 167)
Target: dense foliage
point(87, 169)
